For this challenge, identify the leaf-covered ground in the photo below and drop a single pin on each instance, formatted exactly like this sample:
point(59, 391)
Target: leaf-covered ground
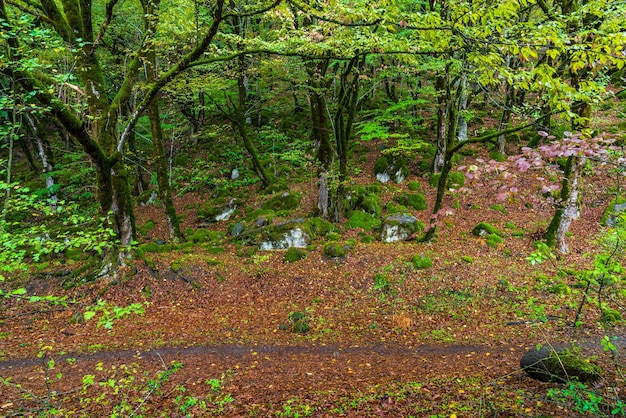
point(216, 336)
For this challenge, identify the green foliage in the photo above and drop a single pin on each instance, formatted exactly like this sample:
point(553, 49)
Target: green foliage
point(108, 314)
point(34, 228)
point(467, 259)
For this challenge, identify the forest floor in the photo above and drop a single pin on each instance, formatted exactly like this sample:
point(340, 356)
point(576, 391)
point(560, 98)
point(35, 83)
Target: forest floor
point(437, 342)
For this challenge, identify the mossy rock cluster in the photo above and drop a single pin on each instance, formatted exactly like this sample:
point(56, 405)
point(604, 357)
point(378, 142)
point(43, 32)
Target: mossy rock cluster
point(283, 202)
point(364, 198)
point(555, 364)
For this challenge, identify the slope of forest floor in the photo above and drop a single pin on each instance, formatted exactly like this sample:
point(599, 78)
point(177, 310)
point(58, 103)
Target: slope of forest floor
point(215, 337)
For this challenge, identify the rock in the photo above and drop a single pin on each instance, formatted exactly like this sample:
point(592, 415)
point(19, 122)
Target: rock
point(262, 221)
point(613, 214)
point(399, 227)
point(234, 175)
point(558, 364)
point(293, 238)
point(237, 229)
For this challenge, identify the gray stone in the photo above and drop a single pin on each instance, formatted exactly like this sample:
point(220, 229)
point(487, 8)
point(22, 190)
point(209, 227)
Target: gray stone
point(262, 221)
point(293, 238)
point(399, 227)
point(618, 208)
point(237, 229)
point(558, 364)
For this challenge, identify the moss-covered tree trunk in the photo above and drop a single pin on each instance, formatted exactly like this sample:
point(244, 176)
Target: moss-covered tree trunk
point(345, 113)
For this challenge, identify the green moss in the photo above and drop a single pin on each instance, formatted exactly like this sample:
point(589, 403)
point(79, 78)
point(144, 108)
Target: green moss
point(485, 228)
point(359, 219)
point(415, 200)
point(500, 208)
point(150, 247)
point(176, 266)
point(296, 316)
point(276, 187)
point(334, 250)
point(283, 202)
point(393, 207)
point(294, 254)
point(569, 365)
point(333, 236)
point(414, 186)
point(434, 180)
point(456, 179)
point(467, 259)
point(509, 225)
point(495, 155)
point(493, 240)
point(610, 209)
point(381, 165)
point(422, 262)
point(367, 239)
point(320, 227)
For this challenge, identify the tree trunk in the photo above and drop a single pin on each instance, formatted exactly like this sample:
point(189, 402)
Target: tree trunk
point(158, 152)
point(443, 110)
point(569, 210)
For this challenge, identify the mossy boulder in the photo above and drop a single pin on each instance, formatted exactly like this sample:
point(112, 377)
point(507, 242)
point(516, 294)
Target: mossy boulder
point(319, 227)
point(485, 229)
point(294, 254)
point(360, 219)
point(400, 227)
point(557, 364)
point(391, 168)
point(335, 250)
